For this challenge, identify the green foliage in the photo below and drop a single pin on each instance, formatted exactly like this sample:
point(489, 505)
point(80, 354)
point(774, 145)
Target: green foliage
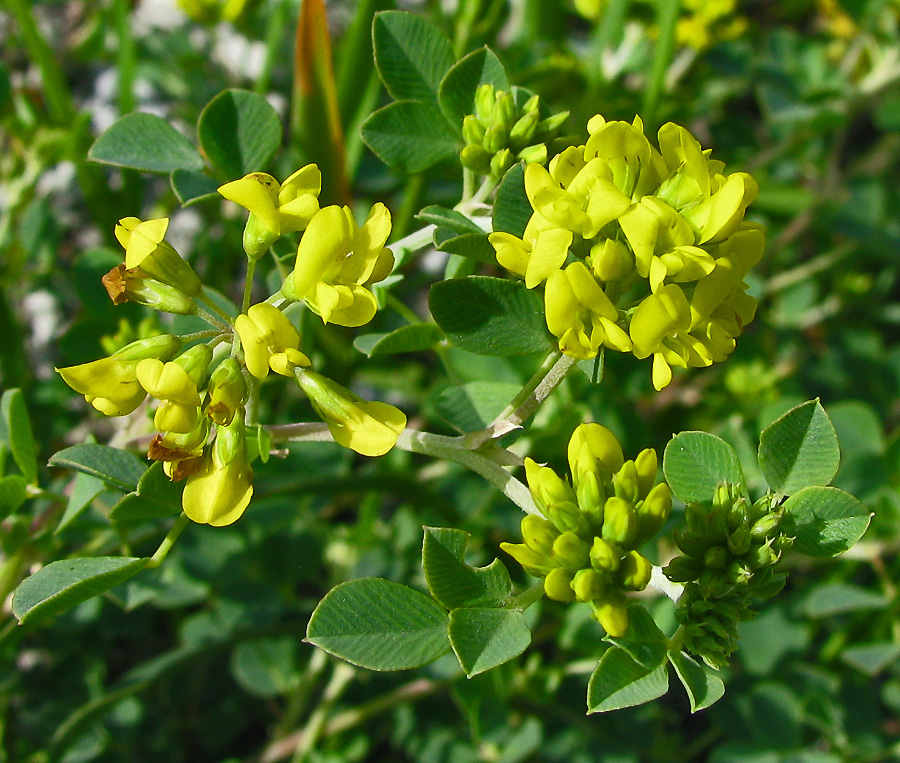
point(696, 463)
point(145, 142)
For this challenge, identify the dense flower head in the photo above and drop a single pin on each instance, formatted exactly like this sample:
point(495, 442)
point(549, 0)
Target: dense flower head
point(641, 249)
point(585, 543)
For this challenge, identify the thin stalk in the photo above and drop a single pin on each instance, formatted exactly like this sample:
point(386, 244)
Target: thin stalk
point(126, 56)
point(248, 285)
point(528, 390)
point(163, 551)
point(399, 307)
point(666, 21)
point(468, 185)
point(274, 35)
point(340, 680)
point(214, 308)
point(412, 193)
point(212, 320)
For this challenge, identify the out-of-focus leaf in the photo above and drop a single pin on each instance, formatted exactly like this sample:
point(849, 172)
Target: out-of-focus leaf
point(145, 142)
point(17, 432)
point(414, 338)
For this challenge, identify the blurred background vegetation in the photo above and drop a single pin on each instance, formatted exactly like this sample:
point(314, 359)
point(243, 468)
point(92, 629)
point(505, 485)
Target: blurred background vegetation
point(202, 659)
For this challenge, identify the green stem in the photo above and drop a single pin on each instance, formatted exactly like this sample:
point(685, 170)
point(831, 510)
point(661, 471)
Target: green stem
point(215, 309)
point(406, 246)
point(531, 386)
point(248, 285)
point(10, 572)
point(126, 56)
point(212, 320)
point(468, 185)
point(340, 680)
point(399, 307)
point(274, 36)
point(666, 21)
point(163, 551)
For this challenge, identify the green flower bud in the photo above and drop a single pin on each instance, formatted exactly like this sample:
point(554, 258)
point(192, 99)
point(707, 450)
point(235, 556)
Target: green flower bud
point(647, 465)
point(739, 541)
point(689, 542)
point(472, 130)
point(604, 556)
point(625, 483)
point(504, 113)
point(532, 562)
point(634, 574)
point(591, 497)
point(501, 162)
point(738, 514)
point(682, 569)
point(495, 139)
point(536, 154)
point(558, 584)
point(532, 105)
point(738, 573)
point(570, 551)
point(612, 614)
point(538, 534)
point(766, 525)
point(760, 508)
point(546, 486)
point(653, 512)
point(522, 131)
point(762, 556)
point(589, 585)
point(550, 125)
point(124, 285)
point(162, 346)
point(567, 516)
point(195, 361)
point(620, 522)
point(475, 158)
point(715, 558)
point(484, 102)
point(697, 517)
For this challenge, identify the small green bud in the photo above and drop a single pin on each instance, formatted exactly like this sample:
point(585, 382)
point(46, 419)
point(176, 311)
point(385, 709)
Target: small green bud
point(589, 585)
point(739, 541)
point(738, 573)
point(258, 237)
point(558, 584)
point(653, 512)
point(646, 464)
point(762, 556)
point(612, 614)
point(620, 522)
point(766, 525)
point(227, 391)
point(484, 102)
point(538, 534)
point(195, 361)
point(689, 542)
point(532, 105)
point(591, 496)
point(501, 162)
point(532, 562)
point(495, 139)
point(570, 551)
point(634, 574)
point(475, 158)
point(604, 556)
point(504, 114)
point(625, 482)
point(738, 514)
point(683, 569)
point(715, 558)
point(551, 124)
point(567, 516)
point(162, 346)
point(522, 131)
point(536, 154)
point(697, 517)
point(472, 130)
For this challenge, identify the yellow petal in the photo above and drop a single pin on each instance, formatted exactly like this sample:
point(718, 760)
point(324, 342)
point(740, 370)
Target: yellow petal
point(325, 242)
point(258, 194)
point(217, 496)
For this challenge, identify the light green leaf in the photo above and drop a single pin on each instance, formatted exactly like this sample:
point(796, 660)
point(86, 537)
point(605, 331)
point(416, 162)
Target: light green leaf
point(475, 405)
point(483, 638)
point(64, 584)
point(871, 659)
point(472, 245)
point(448, 218)
point(85, 489)
point(145, 142)
point(13, 492)
point(411, 54)
point(15, 423)
point(156, 496)
point(799, 450)
point(239, 132)
point(618, 681)
point(451, 581)
point(266, 667)
point(490, 316)
point(644, 642)
point(409, 136)
point(414, 338)
point(696, 463)
point(824, 520)
point(456, 94)
point(837, 598)
point(512, 209)
point(703, 685)
point(190, 187)
point(379, 625)
point(115, 467)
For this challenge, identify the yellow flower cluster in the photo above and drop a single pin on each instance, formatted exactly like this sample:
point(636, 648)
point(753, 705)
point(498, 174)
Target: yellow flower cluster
point(641, 250)
point(585, 545)
point(202, 391)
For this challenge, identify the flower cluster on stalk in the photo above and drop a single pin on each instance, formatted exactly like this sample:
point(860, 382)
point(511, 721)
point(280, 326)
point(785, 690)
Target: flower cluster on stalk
point(640, 250)
point(729, 547)
point(203, 383)
point(585, 546)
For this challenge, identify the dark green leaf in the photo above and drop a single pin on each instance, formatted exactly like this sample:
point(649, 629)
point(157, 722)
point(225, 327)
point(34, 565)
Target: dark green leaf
point(145, 142)
point(451, 581)
point(190, 186)
point(379, 625)
point(239, 132)
point(644, 642)
point(512, 210)
point(457, 90)
point(618, 681)
point(825, 521)
point(18, 433)
point(85, 489)
point(799, 450)
point(472, 245)
point(156, 496)
point(411, 54)
point(696, 463)
point(13, 491)
point(409, 136)
point(415, 338)
point(490, 316)
point(702, 684)
point(115, 467)
point(62, 585)
point(448, 218)
point(475, 405)
point(266, 667)
point(483, 638)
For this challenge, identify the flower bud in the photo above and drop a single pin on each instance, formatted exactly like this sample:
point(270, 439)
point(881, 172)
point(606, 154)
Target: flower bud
point(653, 512)
point(485, 98)
point(501, 162)
point(227, 391)
point(647, 465)
point(683, 569)
point(538, 534)
point(625, 483)
point(612, 614)
point(522, 131)
point(604, 556)
point(567, 516)
point(738, 573)
point(494, 139)
point(472, 130)
point(558, 584)
point(570, 551)
point(504, 113)
point(634, 573)
point(762, 556)
point(739, 541)
point(766, 526)
point(738, 514)
point(176, 417)
point(589, 585)
point(549, 126)
point(124, 285)
point(689, 542)
point(715, 557)
point(146, 248)
point(593, 446)
point(533, 562)
point(534, 154)
point(475, 158)
point(546, 486)
point(591, 497)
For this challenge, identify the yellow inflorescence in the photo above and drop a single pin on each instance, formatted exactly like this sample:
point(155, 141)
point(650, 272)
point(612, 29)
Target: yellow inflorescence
point(642, 250)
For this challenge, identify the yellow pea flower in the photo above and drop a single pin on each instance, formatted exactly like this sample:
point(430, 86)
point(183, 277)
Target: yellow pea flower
point(580, 314)
point(337, 260)
point(146, 248)
point(176, 384)
point(219, 492)
point(111, 384)
point(227, 391)
point(594, 448)
point(658, 327)
point(635, 166)
point(541, 251)
point(275, 208)
point(269, 340)
point(370, 428)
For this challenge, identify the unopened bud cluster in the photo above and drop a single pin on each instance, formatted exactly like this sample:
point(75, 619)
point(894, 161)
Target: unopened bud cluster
point(202, 382)
point(729, 548)
point(499, 133)
point(585, 544)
